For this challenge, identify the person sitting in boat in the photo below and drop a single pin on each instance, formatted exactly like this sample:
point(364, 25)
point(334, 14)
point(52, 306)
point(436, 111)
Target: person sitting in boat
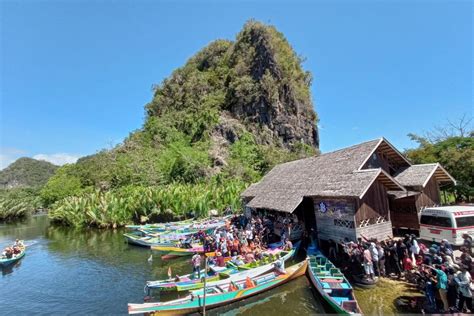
point(187, 243)
point(8, 253)
point(249, 257)
point(16, 250)
point(19, 243)
point(238, 260)
point(220, 262)
point(279, 266)
point(232, 287)
point(288, 245)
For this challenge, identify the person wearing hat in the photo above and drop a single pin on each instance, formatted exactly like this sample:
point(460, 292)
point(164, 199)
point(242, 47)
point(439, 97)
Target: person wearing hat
point(220, 260)
point(463, 279)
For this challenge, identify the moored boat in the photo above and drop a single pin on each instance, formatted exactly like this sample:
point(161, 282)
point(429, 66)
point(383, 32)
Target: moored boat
point(217, 274)
point(174, 251)
point(223, 294)
point(184, 226)
point(331, 283)
point(4, 262)
point(146, 241)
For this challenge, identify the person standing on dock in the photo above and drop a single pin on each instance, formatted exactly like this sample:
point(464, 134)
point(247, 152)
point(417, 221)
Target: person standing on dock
point(441, 285)
point(375, 257)
point(368, 264)
point(463, 280)
point(196, 261)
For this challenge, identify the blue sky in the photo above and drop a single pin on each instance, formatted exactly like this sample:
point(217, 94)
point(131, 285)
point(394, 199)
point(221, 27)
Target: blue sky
point(75, 75)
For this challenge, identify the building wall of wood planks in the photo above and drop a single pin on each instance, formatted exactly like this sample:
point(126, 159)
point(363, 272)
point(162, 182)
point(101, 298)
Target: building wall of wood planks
point(379, 231)
point(377, 160)
point(430, 195)
point(374, 204)
point(335, 218)
point(403, 213)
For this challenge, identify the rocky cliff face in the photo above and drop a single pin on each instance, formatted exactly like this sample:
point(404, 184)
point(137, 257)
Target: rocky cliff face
point(232, 112)
point(271, 91)
point(256, 80)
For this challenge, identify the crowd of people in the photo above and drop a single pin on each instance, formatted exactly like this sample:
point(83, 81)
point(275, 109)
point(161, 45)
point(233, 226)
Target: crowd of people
point(433, 268)
point(243, 239)
point(11, 251)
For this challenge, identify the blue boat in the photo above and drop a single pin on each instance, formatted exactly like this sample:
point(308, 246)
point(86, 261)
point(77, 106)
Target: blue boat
point(4, 262)
point(331, 284)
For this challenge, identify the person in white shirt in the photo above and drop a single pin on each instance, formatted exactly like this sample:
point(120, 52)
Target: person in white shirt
point(463, 280)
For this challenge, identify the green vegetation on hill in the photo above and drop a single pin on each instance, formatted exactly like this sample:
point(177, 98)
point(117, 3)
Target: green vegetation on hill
point(20, 183)
point(26, 173)
point(456, 154)
point(217, 124)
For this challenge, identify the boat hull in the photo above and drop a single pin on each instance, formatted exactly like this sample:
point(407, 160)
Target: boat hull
point(216, 300)
point(139, 241)
point(329, 283)
point(234, 274)
point(7, 262)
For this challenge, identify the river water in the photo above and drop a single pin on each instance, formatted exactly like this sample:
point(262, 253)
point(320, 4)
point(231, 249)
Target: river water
point(88, 271)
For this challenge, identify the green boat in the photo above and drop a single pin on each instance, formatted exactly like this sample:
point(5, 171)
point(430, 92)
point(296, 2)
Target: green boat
point(222, 294)
point(4, 262)
point(146, 241)
point(331, 283)
point(231, 272)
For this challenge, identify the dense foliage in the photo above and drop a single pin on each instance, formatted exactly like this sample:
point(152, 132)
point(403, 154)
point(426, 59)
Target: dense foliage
point(119, 207)
point(26, 172)
point(456, 154)
point(18, 203)
point(203, 140)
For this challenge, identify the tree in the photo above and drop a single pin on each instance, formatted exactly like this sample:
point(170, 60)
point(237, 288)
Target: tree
point(454, 150)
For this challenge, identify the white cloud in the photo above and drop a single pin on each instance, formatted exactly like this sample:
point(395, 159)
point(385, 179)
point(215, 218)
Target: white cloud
point(9, 155)
point(58, 159)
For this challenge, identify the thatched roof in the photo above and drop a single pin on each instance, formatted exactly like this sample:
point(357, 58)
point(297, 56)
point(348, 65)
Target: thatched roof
point(334, 174)
point(419, 175)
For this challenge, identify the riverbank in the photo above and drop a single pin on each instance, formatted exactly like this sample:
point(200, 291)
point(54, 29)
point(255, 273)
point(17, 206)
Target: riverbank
point(112, 273)
point(381, 300)
point(18, 203)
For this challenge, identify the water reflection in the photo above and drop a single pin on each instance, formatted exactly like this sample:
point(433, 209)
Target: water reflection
point(91, 271)
point(10, 268)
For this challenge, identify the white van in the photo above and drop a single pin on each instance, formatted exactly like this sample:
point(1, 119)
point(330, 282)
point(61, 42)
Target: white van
point(447, 222)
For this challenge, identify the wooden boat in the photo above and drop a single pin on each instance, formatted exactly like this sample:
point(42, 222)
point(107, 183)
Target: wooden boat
point(179, 251)
point(145, 241)
point(4, 262)
point(162, 226)
point(145, 238)
point(219, 295)
point(331, 284)
point(188, 225)
point(231, 272)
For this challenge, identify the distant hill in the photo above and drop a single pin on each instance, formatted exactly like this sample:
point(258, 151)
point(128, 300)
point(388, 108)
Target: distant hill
point(26, 173)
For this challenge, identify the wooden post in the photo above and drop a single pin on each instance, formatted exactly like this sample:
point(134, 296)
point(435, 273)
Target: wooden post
point(204, 298)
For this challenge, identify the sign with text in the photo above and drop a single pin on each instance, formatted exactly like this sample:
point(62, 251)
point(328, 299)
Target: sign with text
point(334, 209)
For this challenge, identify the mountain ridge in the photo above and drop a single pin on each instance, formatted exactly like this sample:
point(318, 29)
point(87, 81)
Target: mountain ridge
point(26, 172)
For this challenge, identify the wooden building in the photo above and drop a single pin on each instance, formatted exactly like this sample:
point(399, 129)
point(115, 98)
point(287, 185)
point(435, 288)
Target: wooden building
point(359, 190)
point(422, 183)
